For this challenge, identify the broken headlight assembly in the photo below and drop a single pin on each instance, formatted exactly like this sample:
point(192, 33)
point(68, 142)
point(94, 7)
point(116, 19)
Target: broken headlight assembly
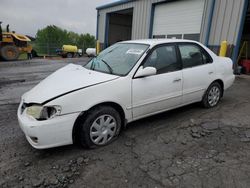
point(43, 112)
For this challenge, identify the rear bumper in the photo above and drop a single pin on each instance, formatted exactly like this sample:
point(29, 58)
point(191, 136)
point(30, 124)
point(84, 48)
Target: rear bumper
point(229, 81)
point(50, 133)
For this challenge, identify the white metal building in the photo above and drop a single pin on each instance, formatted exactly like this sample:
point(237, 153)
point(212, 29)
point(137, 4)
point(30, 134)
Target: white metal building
point(207, 21)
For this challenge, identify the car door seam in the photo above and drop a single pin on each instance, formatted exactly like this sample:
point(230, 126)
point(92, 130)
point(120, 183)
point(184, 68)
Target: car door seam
point(156, 101)
point(190, 92)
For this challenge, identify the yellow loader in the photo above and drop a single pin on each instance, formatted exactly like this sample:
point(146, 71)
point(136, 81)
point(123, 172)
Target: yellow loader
point(12, 44)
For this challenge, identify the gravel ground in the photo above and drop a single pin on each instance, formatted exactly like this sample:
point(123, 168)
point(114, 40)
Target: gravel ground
point(187, 147)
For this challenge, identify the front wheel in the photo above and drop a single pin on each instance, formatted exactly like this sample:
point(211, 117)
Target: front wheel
point(9, 52)
point(212, 95)
point(101, 126)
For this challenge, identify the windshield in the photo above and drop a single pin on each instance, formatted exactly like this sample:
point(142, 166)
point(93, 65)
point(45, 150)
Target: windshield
point(118, 59)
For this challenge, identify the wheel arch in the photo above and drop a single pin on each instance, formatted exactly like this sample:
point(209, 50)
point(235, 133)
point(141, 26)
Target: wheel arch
point(221, 84)
point(83, 115)
point(219, 81)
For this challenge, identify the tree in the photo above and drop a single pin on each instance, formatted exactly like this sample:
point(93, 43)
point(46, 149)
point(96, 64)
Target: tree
point(73, 38)
point(86, 41)
point(52, 37)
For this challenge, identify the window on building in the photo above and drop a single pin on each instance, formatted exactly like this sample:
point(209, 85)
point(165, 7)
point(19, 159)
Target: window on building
point(195, 37)
point(179, 36)
point(164, 59)
point(159, 36)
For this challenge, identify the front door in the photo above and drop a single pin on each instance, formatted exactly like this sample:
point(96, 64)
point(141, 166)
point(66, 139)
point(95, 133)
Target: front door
point(162, 91)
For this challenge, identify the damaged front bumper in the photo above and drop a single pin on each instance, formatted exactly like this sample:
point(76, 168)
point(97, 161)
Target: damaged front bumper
point(48, 133)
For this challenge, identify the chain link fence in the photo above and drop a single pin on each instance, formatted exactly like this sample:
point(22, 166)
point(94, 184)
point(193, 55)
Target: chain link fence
point(51, 49)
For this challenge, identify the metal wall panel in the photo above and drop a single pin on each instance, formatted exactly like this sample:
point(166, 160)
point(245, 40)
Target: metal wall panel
point(102, 17)
point(205, 20)
point(226, 21)
point(141, 18)
point(225, 24)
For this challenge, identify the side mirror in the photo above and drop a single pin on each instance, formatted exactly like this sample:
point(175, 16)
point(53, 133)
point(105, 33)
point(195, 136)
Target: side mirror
point(144, 72)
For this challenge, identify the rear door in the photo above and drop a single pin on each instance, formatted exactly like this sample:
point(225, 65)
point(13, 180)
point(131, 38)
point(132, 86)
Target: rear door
point(198, 71)
point(162, 91)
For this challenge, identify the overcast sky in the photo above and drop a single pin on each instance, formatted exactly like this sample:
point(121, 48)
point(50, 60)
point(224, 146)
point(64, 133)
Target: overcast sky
point(27, 16)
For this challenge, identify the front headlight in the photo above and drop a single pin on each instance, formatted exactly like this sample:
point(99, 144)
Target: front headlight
point(43, 112)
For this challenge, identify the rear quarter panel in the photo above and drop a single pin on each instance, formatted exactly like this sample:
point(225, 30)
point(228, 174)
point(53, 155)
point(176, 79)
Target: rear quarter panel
point(224, 71)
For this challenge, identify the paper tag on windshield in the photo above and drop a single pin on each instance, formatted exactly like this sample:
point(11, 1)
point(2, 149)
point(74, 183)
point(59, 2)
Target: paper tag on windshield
point(134, 51)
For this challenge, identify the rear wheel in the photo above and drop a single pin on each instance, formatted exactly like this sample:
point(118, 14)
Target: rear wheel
point(9, 53)
point(69, 55)
point(101, 126)
point(212, 95)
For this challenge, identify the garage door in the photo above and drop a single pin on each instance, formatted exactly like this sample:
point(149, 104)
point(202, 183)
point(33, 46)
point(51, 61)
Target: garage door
point(179, 19)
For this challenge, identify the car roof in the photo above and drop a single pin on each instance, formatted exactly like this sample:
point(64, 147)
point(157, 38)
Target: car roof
point(153, 42)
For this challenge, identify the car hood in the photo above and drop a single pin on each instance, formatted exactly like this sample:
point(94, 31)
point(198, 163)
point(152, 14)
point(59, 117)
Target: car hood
point(67, 79)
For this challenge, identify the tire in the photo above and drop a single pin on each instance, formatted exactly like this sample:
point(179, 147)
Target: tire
point(212, 96)
point(69, 55)
point(94, 133)
point(9, 53)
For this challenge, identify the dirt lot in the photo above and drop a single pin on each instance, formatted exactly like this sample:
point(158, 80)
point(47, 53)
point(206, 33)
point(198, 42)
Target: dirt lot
point(187, 147)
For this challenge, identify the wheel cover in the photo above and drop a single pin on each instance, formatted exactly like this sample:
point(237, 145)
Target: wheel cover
point(103, 129)
point(10, 53)
point(214, 96)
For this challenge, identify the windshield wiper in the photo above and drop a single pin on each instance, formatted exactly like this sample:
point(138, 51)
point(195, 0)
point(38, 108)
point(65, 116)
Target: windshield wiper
point(109, 67)
point(92, 67)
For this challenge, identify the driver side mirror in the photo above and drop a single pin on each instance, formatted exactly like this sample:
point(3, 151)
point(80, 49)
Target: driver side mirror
point(144, 72)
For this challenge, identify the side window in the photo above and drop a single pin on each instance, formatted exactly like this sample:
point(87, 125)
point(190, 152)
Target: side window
point(164, 59)
point(192, 55)
point(206, 58)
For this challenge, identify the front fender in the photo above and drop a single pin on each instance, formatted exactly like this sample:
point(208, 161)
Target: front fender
point(117, 91)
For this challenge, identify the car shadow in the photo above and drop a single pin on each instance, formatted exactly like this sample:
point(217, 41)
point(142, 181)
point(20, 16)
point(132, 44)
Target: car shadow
point(165, 116)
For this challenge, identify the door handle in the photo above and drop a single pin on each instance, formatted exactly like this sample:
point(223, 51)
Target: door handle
point(177, 80)
point(211, 72)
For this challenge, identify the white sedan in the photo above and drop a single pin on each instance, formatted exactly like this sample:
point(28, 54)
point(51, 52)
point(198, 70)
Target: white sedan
point(128, 81)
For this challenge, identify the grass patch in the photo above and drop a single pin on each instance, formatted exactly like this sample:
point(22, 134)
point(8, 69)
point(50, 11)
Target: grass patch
point(22, 56)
